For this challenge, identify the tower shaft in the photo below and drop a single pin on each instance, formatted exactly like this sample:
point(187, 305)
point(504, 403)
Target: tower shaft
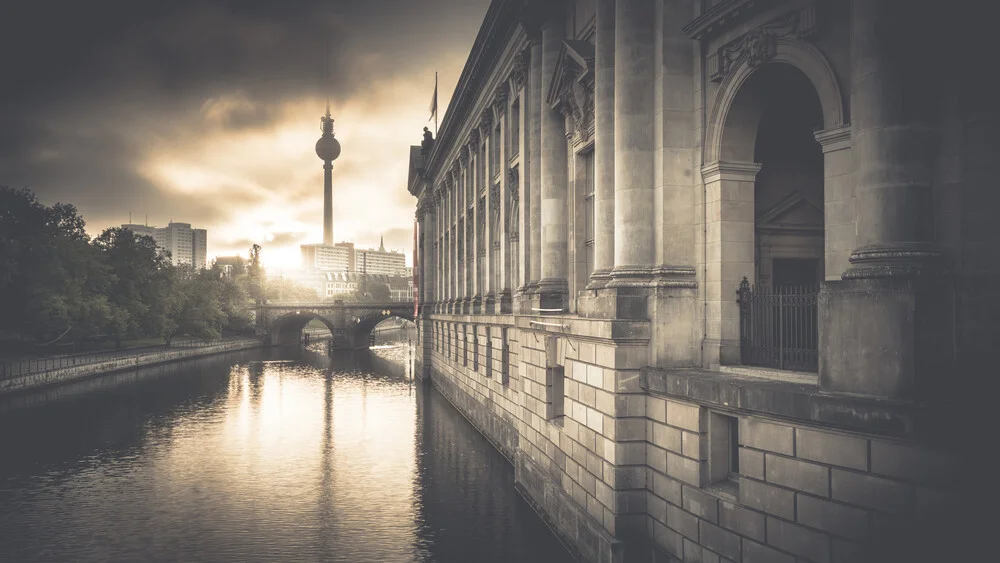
point(327, 203)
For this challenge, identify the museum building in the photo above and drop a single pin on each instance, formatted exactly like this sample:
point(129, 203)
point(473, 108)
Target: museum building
point(706, 272)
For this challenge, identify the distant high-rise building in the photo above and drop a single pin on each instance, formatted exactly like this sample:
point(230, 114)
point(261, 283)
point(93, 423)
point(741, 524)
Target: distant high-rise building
point(185, 245)
point(344, 257)
point(327, 258)
point(381, 261)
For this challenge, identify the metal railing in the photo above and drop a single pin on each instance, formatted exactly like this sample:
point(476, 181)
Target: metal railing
point(778, 326)
point(29, 366)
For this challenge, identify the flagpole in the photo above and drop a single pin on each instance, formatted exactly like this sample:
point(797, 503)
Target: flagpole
point(435, 104)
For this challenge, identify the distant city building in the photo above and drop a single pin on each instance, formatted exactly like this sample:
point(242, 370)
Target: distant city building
point(324, 257)
point(381, 261)
point(231, 265)
point(344, 257)
point(185, 245)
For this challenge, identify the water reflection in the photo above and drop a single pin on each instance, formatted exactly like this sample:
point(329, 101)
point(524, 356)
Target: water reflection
point(256, 456)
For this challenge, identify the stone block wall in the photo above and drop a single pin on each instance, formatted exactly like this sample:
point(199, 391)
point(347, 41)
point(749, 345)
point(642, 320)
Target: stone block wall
point(802, 493)
point(571, 417)
point(482, 395)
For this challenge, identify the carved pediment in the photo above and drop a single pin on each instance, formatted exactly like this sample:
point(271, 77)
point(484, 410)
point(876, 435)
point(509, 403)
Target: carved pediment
point(794, 212)
point(572, 89)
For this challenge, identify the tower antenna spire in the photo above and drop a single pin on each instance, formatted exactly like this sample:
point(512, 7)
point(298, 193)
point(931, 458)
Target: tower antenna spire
point(326, 82)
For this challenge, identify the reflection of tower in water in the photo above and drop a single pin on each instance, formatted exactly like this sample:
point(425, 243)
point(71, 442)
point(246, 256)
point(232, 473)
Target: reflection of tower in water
point(326, 459)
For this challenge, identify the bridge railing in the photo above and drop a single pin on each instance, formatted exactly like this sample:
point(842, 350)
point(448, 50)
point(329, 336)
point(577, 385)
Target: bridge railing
point(27, 366)
point(320, 304)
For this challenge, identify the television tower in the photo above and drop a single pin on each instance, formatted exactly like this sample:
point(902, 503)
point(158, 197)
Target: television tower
point(327, 149)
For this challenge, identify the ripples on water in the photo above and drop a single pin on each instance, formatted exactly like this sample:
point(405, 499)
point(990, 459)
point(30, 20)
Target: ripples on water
point(257, 456)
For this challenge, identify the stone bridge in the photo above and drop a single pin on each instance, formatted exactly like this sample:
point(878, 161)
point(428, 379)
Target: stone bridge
point(349, 323)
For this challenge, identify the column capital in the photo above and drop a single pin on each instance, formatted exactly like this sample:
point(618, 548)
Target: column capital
point(835, 138)
point(733, 171)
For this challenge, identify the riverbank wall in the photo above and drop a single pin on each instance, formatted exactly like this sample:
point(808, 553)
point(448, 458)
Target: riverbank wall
point(68, 374)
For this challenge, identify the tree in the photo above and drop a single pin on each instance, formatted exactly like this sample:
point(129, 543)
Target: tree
point(53, 285)
point(255, 274)
point(199, 294)
point(379, 291)
point(235, 301)
point(280, 289)
point(135, 262)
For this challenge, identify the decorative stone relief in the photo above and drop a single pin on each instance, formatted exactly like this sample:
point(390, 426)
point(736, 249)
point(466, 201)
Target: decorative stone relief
point(485, 122)
point(513, 175)
point(572, 90)
point(500, 100)
point(473, 143)
point(757, 46)
point(519, 71)
point(495, 197)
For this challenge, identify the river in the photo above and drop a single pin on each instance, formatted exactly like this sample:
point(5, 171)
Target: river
point(264, 455)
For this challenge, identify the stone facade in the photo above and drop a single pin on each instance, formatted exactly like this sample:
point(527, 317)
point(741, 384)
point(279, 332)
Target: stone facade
point(607, 175)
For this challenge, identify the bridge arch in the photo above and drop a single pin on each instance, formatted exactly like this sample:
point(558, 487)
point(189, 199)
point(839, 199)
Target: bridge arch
point(287, 328)
point(365, 324)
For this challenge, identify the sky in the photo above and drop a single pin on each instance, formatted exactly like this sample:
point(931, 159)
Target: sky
point(207, 112)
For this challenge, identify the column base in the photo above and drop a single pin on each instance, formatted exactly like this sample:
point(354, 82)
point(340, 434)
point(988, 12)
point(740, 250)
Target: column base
point(523, 299)
point(553, 296)
point(504, 303)
point(599, 279)
point(888, 337)
point(489, 304)
point(901, 260)
point(614, 303)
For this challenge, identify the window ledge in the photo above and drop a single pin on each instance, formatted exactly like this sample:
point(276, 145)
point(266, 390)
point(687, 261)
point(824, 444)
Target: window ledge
point(802, 377)
point(728, 490)
point(783, 399)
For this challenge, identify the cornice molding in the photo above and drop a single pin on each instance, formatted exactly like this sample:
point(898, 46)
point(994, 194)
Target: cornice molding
point(722, 16)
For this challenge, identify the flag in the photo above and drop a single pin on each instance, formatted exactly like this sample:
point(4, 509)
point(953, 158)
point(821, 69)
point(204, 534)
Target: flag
point(434, 100)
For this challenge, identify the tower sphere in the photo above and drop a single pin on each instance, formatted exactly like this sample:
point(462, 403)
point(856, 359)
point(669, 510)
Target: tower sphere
point(327, 148)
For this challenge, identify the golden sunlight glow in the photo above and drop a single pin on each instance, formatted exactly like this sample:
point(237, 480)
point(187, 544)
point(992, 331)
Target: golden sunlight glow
point(272, 439)
point(266, 183)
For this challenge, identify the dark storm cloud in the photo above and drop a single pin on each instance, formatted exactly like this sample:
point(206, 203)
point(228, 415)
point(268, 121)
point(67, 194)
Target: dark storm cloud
point(90, 87)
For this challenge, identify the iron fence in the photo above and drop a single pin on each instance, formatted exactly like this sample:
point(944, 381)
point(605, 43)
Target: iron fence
point(778, 326)
point(29, 366)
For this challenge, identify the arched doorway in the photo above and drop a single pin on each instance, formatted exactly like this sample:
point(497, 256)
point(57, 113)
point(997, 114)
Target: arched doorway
point(788, 190)
point(765, 209)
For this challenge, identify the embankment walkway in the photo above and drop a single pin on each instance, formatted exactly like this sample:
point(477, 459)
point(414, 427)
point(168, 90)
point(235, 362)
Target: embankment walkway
point(43, 372)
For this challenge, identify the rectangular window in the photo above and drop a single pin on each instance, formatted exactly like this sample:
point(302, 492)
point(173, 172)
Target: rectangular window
point(588, 215)
point(724, 451)
point(556, 377)
point(495, 151)
point(465, 346)
point(475, 348)
point(489, 354)
point(515, 128)
point(504, 357)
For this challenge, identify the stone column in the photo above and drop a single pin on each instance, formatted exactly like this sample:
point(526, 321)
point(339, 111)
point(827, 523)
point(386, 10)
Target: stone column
point(553, 286)
point(894, 147)
point(428, 232)
point(524, 185)
point(634, 234)
point(604, 145)
point(476, 266)
point(904, 347)
point(533, 199)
